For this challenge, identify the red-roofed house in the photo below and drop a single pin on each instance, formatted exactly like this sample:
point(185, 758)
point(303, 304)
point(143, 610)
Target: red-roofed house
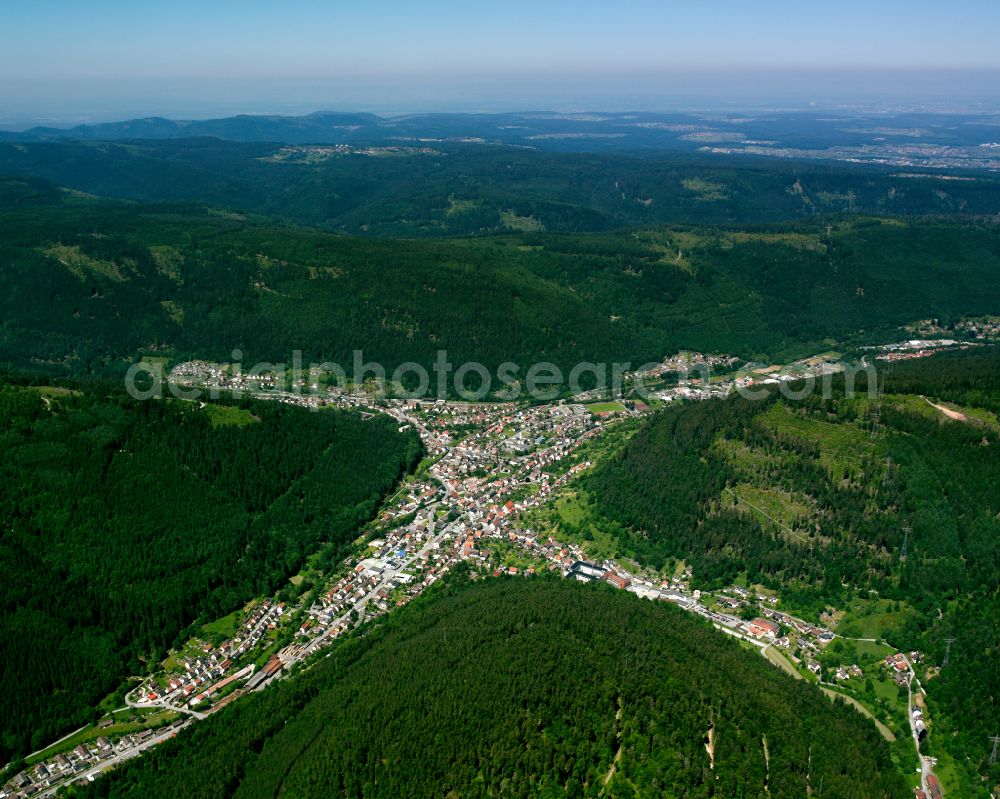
point(761, 628)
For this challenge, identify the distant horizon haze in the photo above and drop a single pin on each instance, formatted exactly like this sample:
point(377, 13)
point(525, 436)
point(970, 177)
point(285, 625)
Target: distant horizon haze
point(65, 63)
point(64, 103)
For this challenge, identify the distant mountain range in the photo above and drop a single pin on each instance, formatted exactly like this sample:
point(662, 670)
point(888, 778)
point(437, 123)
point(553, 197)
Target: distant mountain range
point(911, 138)
point(314, 128)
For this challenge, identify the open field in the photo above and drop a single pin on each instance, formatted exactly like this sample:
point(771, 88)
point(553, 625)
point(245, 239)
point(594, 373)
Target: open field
point(222, 415)
point(932, 409)
point(843, 447)
point(779, 660)
point(884, 731)
point(225, 627)
point(772, 507)
point(873, 618)
point(606, 407)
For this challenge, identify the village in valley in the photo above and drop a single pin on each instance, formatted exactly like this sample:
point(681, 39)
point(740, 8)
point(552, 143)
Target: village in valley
point(470, 506)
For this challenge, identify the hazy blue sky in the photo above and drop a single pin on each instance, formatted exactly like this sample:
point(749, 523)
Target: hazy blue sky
point(111, 54)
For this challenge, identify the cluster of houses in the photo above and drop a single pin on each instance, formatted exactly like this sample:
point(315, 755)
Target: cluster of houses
point(695, 371)
point(207, 674)
point(807, 643)
point(984, 328)
point(75, 763)
point(802, 643)
point(315, 153)
point(743, 595)
point(531, 439)
point(310, 153)
point(200, 678)
point(988, 328)
point(821, 636)
point(547, 554)
point(899, 667)
point(380, 574)
point(917, 348)
point(468, 493)
point(690, 363)
point(847, 672)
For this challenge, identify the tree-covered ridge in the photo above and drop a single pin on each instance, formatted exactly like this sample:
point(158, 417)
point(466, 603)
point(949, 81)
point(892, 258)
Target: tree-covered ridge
point(941, 479)
point(536, 687)
point(476, 189)
point(124, 522)
point(90, 284)
point(814, 497)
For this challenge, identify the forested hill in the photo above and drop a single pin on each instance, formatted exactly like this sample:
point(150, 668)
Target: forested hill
point(90, 284)
point(526, 687)
point(124, 522)
point(813, 498)
point(445, 189)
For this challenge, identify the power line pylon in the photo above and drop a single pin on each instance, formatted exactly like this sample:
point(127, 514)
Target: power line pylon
point(906, 539)
point(993, 754)
point(947, 651)
point(888, 472)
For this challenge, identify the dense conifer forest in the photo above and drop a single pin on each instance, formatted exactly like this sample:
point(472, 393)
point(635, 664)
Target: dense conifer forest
point(841, 484)
point(538, 687)
point(92, 284)
point(475, 189)
point(125, 522)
